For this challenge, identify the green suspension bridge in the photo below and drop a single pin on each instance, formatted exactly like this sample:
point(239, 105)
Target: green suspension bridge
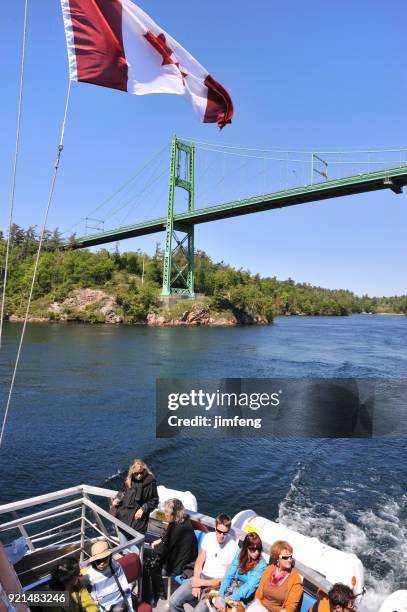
point(315, 184)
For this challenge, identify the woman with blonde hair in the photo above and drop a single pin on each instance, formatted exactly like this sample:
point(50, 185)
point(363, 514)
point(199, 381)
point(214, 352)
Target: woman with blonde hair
point(138, 497)
point(280, 587)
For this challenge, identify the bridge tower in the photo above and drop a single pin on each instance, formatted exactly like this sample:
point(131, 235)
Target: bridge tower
point(178, 270)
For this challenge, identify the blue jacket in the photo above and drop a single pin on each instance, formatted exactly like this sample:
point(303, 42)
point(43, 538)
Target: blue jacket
point(250, 579)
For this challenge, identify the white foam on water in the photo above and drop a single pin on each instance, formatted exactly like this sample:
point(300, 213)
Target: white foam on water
point(109, 478)
point(378, 537)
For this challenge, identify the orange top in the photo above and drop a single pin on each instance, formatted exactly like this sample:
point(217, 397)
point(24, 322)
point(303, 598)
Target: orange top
point(294, 589)
point(274, 596)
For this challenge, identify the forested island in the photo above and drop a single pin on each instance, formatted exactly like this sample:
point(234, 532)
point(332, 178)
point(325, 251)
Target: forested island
point(113, 287)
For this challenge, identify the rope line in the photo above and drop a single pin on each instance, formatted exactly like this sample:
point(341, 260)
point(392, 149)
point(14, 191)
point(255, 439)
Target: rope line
point(13, 181)
point(37, 258)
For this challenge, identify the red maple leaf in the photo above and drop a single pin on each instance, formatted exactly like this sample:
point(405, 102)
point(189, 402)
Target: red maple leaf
point(160, 44)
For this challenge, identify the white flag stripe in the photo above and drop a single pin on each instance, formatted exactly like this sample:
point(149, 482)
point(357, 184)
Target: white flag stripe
point(114, 43)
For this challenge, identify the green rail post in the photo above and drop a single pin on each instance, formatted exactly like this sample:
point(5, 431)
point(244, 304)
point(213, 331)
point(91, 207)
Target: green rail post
point(166, 290)
point(178, 266)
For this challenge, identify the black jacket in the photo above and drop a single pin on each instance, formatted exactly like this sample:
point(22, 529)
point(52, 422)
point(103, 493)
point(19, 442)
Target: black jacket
point(142, 494)
point(178, 548)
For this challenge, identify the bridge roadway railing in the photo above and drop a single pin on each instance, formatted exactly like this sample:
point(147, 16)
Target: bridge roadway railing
point(394, 179)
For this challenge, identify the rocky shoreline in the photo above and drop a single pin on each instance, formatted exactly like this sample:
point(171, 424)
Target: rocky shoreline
point(97, 306)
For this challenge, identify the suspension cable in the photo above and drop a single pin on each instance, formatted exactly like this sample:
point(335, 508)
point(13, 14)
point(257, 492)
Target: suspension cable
point(37, 258)
point(134, 198)
point(138, 195)
point(13, 181)
point(109, 198)
point(240, 153)
point(213, 145)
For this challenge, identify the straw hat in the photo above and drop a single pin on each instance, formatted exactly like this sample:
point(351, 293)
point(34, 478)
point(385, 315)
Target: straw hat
point(99, 550)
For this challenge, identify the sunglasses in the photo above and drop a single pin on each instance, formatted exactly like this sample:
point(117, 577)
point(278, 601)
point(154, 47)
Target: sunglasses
point(100, 561)
point(285, 557)
point(221, 532)
point(138, 473)
point(254, 548)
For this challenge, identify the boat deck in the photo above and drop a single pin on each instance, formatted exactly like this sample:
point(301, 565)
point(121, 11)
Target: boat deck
point(73, 525)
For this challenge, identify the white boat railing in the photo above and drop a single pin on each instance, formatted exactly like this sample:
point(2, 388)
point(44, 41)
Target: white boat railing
point(87, 521)
point(93, 522)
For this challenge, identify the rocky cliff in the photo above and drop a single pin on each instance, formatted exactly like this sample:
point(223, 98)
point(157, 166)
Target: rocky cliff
point(98, 306)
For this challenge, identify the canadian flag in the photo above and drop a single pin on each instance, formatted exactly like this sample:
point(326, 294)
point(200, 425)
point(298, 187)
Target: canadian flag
point(115, 44)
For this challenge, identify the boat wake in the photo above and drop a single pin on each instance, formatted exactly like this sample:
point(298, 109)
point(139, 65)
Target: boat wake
point(378, 536)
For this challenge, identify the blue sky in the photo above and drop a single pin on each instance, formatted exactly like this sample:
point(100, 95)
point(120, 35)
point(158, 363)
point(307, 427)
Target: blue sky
point(302, 75)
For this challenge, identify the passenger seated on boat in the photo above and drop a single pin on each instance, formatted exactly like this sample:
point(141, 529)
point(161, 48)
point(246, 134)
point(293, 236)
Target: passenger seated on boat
point(340, 599)
point(243, 576)
point(280, 587)
point(175, 552)
point(217, 551)
point(106, 581)
point(137, 498)
point(66, 577)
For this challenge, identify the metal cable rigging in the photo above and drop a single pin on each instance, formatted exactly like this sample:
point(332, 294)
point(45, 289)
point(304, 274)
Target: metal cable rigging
point(37, 258)
point(13, 181)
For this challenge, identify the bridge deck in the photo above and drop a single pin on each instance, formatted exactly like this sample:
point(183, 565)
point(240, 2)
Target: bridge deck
point(394, 179)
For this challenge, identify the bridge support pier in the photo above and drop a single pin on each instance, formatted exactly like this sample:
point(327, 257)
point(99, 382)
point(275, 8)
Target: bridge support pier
point(178, 268)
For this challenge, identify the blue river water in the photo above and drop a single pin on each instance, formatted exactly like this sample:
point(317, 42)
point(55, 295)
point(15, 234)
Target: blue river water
point(84, 406)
